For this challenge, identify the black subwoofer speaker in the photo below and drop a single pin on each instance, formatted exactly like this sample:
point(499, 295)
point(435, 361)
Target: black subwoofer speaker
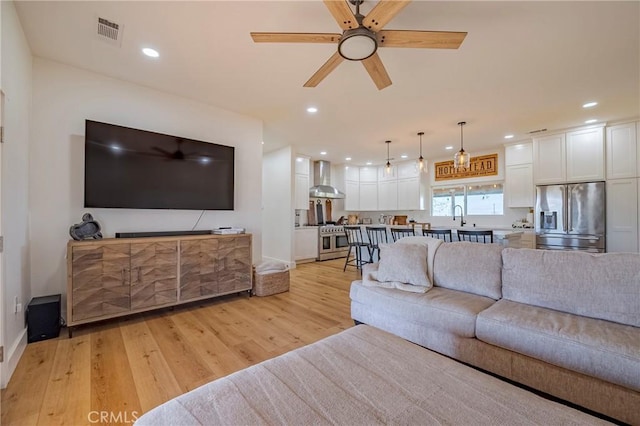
point(43, 318)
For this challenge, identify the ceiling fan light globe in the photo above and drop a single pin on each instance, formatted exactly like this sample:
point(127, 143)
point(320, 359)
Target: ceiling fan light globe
point(357, 44)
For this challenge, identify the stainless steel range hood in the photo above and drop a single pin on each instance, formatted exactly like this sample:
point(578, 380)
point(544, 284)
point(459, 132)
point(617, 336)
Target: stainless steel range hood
point(322, 182)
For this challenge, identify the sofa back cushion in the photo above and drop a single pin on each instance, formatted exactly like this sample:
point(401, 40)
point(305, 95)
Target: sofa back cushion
point(604, 286)
point(469, 267)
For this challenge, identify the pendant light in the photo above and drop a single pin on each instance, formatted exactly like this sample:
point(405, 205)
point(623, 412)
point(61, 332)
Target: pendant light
point(421, 164)
point(462, 159)
point(387, 167)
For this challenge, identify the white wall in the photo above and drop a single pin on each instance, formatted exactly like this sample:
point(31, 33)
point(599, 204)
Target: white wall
point(63, 97)
point(278, 211)
point(16, 85)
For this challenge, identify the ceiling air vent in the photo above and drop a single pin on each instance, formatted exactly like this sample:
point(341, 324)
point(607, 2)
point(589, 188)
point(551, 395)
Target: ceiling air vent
point(109, 31)
point(533, 132)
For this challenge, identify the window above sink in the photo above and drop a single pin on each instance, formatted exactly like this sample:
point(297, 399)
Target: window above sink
point(475, 199)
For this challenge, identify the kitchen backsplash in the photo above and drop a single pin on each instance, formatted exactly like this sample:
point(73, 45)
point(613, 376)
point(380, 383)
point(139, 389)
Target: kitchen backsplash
point(510, 216)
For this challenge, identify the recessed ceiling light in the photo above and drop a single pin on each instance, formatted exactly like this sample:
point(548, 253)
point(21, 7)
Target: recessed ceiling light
point(347, 159)
point(508, 137)
point(323, 152)
point(448, 147)
point(150, 52)
point(312, 110)
point(404, 156)
point(299, 160)
point(590, 104)
point(593, 120)
point(368, 163)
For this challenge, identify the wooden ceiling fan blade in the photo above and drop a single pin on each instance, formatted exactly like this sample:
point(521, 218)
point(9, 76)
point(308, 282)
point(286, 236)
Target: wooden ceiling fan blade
point(342, 13)
point(324, 70)
point(383, 12)
point(421, 39)
point(296, 37)
point(377, 71)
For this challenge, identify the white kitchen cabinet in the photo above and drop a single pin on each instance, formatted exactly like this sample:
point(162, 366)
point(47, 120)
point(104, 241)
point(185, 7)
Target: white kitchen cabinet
point(409, 194)
point(622, 215)
point(368, 174)
point(302, 192)
point(576, 156)
point(383, 176)
point(518, 153)
point(305, 244)
point(352, 188)
point(368, 196)
point(352, 173)
point(369, 189)
point(388, 195)
point(352, 196)
point(622, 151)
point(585, 155)
point(303, 165)
point(302, 183)
point(408, 169)
point(519, 185)
point(549, 164)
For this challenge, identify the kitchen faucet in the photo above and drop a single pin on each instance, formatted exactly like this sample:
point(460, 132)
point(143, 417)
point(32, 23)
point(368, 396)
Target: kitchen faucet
point(462, 222)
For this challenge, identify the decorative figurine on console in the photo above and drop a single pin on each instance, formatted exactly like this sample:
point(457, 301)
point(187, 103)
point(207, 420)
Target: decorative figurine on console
point(86, 230)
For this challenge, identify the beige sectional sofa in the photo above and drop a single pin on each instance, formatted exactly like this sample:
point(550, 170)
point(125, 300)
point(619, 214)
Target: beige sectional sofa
point(564, 323)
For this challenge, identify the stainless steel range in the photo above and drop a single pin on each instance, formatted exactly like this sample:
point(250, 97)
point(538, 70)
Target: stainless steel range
point(332, 242)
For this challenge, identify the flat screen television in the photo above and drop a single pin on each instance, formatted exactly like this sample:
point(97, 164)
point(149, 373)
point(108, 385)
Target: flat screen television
point(137, 169)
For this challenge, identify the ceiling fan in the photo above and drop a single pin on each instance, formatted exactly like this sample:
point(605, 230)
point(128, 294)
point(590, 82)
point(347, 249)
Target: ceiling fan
point(362, 36)
point(178, 154)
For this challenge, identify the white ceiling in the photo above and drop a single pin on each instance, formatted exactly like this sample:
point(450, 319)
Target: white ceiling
point(523, 66)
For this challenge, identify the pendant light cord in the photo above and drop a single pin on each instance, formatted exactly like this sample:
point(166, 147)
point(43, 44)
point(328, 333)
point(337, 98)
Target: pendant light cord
point(461, 124)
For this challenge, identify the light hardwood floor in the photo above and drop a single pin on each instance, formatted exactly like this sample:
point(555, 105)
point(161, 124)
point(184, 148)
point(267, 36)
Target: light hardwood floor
point(123, 368)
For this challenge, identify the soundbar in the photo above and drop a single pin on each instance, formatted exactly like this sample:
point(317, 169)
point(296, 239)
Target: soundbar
point(160, 234)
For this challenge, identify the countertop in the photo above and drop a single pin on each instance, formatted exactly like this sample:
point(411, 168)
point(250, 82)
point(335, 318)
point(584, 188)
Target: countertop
point(499, 233)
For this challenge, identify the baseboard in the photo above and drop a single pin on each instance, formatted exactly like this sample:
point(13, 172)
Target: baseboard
point(290, 264)
point(12, 356)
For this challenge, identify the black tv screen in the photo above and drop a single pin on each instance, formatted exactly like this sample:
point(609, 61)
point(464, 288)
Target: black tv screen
point(137, 169)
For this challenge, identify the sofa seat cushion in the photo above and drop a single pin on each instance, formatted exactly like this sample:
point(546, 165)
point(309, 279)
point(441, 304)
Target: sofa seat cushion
point(440, 308)
point(597, 348)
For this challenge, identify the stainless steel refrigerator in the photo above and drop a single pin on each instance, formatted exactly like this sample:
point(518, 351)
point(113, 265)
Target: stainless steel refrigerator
point(571, 217)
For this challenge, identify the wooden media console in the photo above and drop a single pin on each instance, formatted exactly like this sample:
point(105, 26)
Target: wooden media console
point(114, 277)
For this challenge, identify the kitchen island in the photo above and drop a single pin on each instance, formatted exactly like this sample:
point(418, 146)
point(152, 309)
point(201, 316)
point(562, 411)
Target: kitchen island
point(507, 237)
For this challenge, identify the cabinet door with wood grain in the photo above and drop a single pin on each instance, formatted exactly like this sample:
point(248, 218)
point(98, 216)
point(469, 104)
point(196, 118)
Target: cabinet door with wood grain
point(198, 265)
point(234, 264)
point(100, 280)
point(154, 274)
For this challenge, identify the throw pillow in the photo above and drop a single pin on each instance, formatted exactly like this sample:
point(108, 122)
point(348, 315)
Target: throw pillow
point(405, 263)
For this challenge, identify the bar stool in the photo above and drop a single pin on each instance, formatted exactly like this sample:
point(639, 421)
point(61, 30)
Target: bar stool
point(356, 242)
point(441, 234)
point(377, 235)
point(476, 236)
point(397, 233)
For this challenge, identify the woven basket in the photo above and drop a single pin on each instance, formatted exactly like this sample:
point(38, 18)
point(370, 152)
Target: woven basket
point(268, 284)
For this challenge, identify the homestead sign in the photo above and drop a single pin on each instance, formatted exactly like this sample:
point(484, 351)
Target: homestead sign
point(484, 165)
